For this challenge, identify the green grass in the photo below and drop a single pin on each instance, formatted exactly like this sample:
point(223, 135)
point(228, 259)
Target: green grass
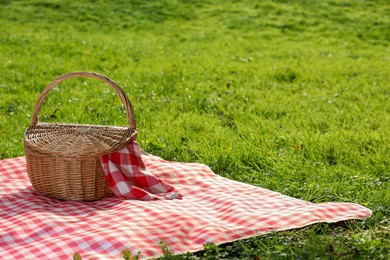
point(292, 96)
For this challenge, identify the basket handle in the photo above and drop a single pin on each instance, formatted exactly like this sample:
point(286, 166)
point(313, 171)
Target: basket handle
point(125, 100)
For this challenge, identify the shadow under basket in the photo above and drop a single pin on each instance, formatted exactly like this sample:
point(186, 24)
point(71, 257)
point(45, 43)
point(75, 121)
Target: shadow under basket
point(63, 160)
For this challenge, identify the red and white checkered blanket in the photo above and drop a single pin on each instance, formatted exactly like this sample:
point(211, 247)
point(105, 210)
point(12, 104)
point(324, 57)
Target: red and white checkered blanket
point(128, 177)
point(212, 209)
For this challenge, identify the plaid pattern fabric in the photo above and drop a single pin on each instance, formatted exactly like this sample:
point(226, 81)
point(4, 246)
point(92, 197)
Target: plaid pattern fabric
point(213, 209)
point(127, 176)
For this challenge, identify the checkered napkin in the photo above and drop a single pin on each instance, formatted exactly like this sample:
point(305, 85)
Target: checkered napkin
point(128, 177)
point(213, 209)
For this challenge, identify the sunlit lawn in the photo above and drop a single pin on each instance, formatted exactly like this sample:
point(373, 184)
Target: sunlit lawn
point(292, 96)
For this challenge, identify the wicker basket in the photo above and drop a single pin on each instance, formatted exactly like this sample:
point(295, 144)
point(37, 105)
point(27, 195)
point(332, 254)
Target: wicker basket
point(63, 159)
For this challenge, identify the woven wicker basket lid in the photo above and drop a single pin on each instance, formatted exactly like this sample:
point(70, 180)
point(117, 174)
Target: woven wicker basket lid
point(79, 140)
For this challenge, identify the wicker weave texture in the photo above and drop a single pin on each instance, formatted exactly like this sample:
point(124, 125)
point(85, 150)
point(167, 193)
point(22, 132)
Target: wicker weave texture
point(67, 179)
point(63, 159)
